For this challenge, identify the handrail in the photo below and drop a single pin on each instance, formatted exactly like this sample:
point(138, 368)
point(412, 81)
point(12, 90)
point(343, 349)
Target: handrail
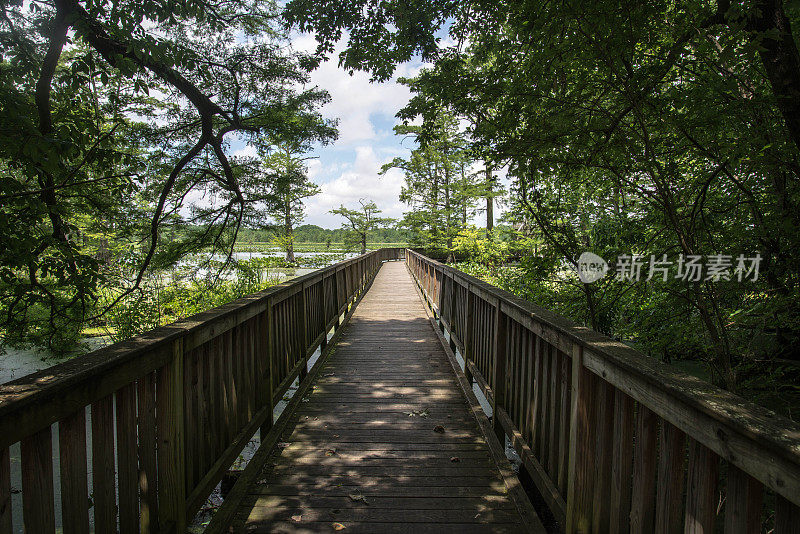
point(186, 399)
point(603, 430)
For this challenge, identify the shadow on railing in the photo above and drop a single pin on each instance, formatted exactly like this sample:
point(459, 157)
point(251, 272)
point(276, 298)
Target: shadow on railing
point(615, 441)
point(186, 399)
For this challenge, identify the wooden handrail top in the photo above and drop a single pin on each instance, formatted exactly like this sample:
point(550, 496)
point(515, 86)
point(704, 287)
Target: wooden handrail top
point(59, 379)
point(641, 376)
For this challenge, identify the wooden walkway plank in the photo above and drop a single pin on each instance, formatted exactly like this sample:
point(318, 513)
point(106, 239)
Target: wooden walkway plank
point(385, 440)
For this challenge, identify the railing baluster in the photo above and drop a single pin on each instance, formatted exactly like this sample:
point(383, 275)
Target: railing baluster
point(670, 482)
point(555, 422)
point(74, 478)
point(581, 441)
point(743, 503)
point(644, 472)
point(544, 403)
point(171, 450)
point(787, 517)
point(104, 496)
point(499, 366)
point(564, 423)
point(701, 490)
point(37, 482)
point(621, 464)
point(148, 481)
point(6, 524)
point(604, 429)
point(127, 475)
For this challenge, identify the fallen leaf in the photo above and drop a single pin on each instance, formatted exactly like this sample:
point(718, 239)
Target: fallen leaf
point(297, 518)
point(330, 452)
point(338, 526)
point(455, 459)
point(358, 498)
point(438, 429)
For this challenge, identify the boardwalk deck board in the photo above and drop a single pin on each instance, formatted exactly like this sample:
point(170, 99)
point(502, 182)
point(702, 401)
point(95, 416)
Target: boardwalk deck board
point(365, 449)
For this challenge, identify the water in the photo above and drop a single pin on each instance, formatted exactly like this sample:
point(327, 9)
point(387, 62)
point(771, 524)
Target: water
point(15, 363)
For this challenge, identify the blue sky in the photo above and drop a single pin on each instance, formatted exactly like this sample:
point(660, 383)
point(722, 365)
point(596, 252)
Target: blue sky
point(347, 170)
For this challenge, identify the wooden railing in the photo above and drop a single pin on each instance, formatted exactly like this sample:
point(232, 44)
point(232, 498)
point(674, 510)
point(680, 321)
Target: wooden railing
point(615, 441)
point(166, 413)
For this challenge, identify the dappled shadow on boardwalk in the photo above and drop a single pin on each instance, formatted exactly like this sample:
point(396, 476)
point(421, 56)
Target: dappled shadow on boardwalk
point(385, 441)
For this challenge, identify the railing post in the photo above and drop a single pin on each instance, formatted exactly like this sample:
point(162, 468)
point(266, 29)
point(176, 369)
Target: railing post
point(451, 314)
point(304, 331)
point(499, 369)
point(468, 335)
point(171, 451)
point(324, 342)
point(581, 457)
point(266, 379)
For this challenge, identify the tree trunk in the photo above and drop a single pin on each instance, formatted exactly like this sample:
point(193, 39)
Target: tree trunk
point(363, 243)
point(287, 215)
point(781, 61)
point(489, 201)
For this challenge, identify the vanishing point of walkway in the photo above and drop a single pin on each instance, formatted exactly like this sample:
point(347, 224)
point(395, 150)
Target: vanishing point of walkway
point(387, 441)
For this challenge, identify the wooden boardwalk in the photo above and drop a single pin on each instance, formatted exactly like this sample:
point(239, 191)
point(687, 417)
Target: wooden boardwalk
point(387, 440)
point(384, 434)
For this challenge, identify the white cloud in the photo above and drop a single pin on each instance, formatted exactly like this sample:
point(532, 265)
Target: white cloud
point(358, 180)
point(247, 151)
point(353, 98)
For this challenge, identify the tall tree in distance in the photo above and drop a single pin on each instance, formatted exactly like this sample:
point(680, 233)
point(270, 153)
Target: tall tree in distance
point(361, 221)
point(289, 188)
point(439, 187)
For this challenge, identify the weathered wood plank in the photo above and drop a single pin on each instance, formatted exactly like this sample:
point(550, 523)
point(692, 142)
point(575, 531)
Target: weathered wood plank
point(38, 511)
point(670, 483)
point(604, 428)
point(581, 444)
point(701, 490)
point(127, 475)
point(644, 472)
point(148, 464)
point(103, 475)
point(171, 451)
point(74, 478)
point(6, 523)
point(621, 464)
point(787, 517)
point(743, 503)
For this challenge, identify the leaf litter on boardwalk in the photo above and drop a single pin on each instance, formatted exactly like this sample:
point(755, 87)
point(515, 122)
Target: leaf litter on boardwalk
point(355, 497)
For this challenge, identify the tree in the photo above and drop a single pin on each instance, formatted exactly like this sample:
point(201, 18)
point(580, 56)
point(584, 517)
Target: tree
point(362, 221)
point(438, 185)
point(95, 165)
point(289, 187)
